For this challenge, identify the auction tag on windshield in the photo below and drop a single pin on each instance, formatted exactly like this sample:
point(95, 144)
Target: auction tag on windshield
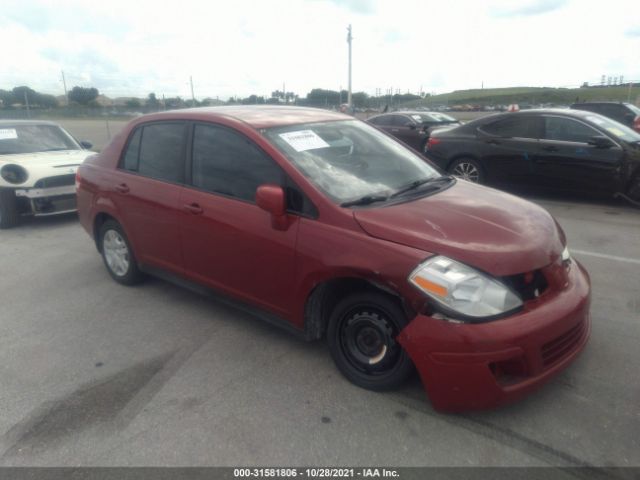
point(8, 133)
point(304, 140)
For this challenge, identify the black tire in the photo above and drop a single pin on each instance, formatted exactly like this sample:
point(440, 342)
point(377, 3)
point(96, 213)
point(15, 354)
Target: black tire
point(468, 169)
point(361, 337)
point(9, 216)
point(118, 255)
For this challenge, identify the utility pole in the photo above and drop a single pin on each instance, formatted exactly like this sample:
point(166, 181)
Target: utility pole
point(26, 102)
point(349, 38)
point(64, 84)
point(629, 94)
point(193, 97)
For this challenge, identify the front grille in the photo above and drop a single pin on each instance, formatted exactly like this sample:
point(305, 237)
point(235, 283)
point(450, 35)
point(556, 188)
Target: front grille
point(528, 285)
point(557, 348)
point(58, 181)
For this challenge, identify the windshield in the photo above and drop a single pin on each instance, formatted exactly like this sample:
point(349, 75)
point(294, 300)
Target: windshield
point(432, 117)
point(633, 108)
point(34, 138)
point(614, 128)
point(349, 159)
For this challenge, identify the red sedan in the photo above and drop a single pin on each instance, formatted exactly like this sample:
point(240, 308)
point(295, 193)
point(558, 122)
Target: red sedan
point(324, 225)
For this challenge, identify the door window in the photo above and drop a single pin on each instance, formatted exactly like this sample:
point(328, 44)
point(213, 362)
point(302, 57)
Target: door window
point(520, 127)
point(567, 130)
point(156, 151)
point(226, 162)
point(400, 121)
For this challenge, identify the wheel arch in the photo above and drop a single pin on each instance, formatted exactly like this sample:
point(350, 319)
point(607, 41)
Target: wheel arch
point(326, 295)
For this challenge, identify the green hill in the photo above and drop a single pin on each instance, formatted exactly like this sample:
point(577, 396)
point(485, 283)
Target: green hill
point(528, 95)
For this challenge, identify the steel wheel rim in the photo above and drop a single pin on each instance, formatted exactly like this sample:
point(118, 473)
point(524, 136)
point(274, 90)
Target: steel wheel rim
point(467, 171)
point(116, 253)
point(367, 340)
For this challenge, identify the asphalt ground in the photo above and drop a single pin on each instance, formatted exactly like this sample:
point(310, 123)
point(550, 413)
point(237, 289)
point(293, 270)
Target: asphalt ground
point(94, 373)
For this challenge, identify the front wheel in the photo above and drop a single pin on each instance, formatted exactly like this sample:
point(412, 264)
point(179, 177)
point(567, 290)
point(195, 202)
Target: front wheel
point(467, 169)
point(362, 339)
point(117, 254)
point(8, 208)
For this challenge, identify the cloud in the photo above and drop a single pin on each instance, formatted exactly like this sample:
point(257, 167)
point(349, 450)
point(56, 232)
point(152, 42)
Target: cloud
point(527, 9)
point(364, 7)
point(633, 32)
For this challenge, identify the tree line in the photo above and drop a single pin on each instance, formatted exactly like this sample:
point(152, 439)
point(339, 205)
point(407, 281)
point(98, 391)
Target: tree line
point(81, 96)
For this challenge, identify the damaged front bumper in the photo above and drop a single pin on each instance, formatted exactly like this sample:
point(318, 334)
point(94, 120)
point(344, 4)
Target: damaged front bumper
point(467, 366)
point(48, 201)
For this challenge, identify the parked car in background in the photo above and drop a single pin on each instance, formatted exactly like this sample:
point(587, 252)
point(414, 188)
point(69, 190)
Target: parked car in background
point(564, 150)
point(625, 113)
point(326, 226)
point(38, 162)
point(412, 127)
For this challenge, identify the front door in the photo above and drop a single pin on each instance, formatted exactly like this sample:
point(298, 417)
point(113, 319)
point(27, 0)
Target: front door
point(566, 161)
point(228, 242)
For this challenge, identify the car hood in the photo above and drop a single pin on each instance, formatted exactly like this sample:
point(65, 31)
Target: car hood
point(493, 231)
point(61, 158)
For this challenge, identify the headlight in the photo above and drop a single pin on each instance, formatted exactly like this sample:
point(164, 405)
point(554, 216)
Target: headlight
point(14, 173)
point(463, 289)
point(566, 255)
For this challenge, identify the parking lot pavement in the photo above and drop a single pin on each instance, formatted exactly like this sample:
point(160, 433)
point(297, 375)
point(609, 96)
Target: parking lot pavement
point(94, 373)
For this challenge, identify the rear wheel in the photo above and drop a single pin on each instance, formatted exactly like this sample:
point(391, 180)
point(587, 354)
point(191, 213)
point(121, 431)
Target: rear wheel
point(117, 254)
point(8, 208)
point(467, 169)
point(362, 339)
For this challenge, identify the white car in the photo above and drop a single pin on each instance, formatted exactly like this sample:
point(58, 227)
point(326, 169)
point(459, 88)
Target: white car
point(38, 163)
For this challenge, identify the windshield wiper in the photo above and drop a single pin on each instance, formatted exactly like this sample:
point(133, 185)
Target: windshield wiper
point(418, 183)
point(366, 200)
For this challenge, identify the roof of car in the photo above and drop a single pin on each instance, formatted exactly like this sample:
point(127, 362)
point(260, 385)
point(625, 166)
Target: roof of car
point(600, 103)
point(15, 123)
point(257, 116)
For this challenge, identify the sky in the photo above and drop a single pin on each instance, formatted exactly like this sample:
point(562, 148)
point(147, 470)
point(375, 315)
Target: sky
point(241, 47)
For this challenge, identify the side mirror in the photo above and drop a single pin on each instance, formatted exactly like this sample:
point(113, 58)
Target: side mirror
point(271, 199)
point(411, 125)
point(86, 145)
point(601, 142)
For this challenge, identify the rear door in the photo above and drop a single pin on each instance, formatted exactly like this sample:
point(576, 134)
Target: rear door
point(228, 242)
point(146, 192)
point(566, 161)
point(508, 146)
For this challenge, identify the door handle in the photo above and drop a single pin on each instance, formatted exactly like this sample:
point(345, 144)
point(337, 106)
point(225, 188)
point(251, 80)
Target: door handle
point(395, 130)
point(122, 188)
point(493, 142)
point(193, 208)
point(550, 148)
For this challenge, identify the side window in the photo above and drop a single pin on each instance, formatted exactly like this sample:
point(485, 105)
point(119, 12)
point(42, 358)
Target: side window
point(613, 111)
point(161, 151)
point(399, 120)
point(567, 130)
point(377, 121)
point(227, 162)
point(521, 127)
point(130, 159)
point(386, 120)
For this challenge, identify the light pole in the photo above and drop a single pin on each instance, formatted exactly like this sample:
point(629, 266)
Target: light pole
point(349, 38)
